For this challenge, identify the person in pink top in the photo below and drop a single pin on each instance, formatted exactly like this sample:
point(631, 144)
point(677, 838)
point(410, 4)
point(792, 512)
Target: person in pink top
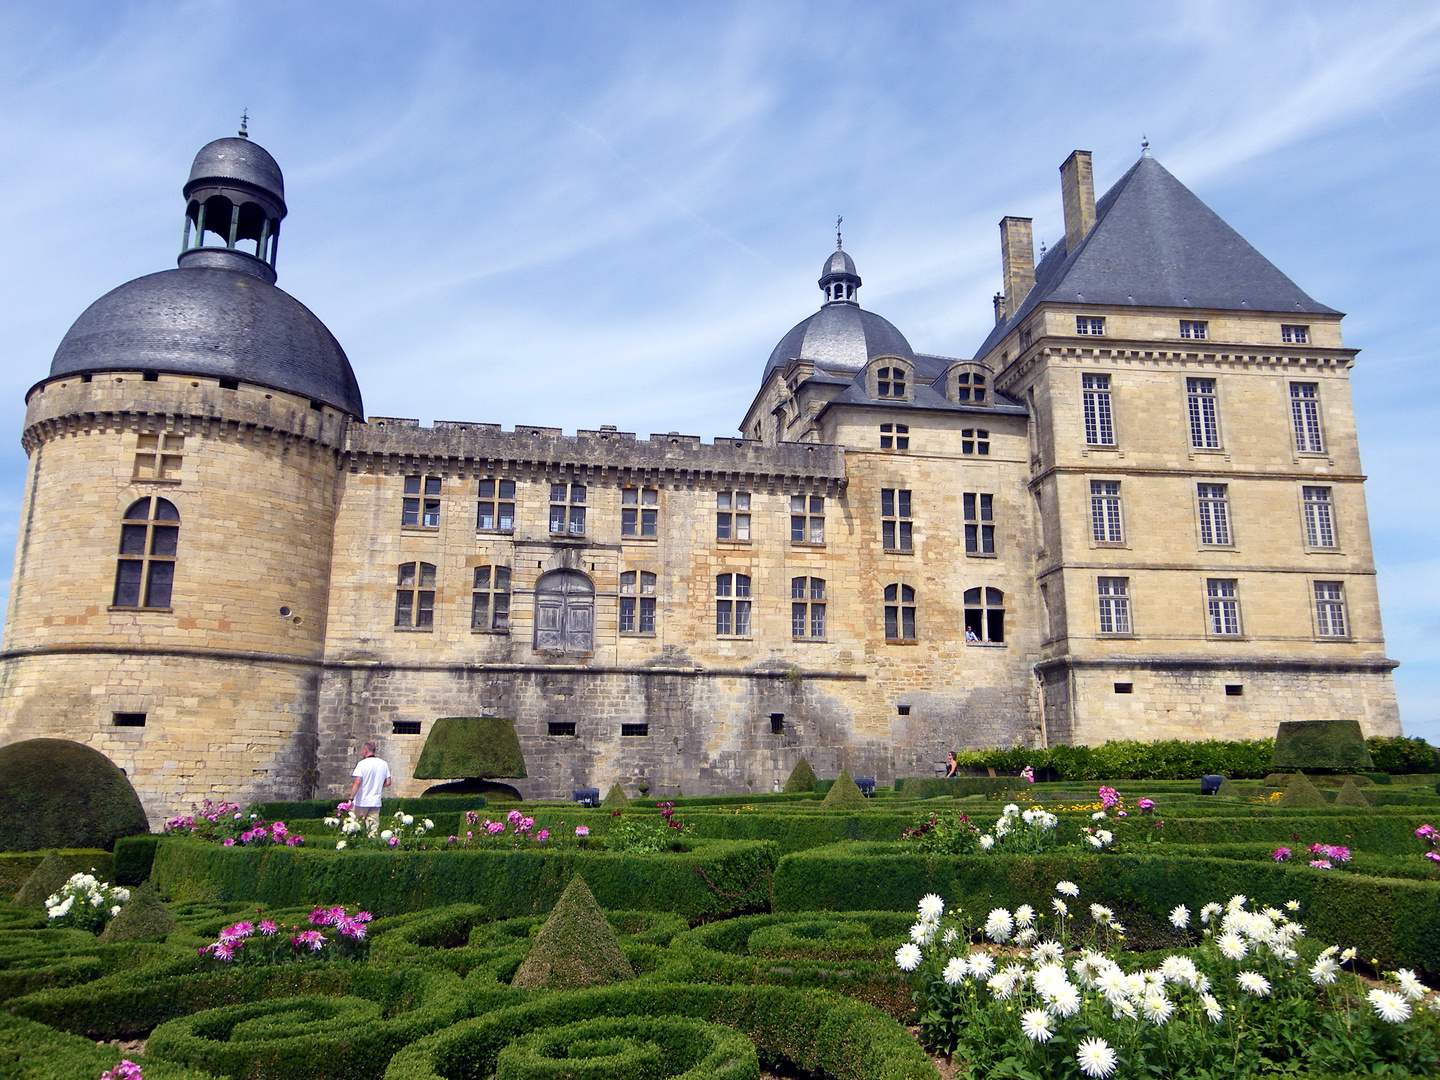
point(372, 776)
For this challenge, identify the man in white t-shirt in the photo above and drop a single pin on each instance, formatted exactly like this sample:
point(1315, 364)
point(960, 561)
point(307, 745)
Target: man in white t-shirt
point(372, 776)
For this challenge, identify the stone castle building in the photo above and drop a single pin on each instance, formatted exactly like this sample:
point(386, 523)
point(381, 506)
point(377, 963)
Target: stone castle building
point(1136, 512)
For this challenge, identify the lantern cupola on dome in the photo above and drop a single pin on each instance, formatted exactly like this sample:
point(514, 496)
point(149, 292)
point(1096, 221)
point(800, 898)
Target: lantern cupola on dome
point(234, 203)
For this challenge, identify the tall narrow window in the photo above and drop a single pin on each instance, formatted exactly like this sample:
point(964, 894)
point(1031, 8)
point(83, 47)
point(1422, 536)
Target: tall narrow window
point(899, 613)
point(567, 509)
point(497, 506)
point(421, 508)
point(1114, 597)
point(1204, 414)
point(565, 613)
point(1106, 524)
point(974, 441)
point(732, 515)
point(984, 616)
point(1305, 412)
point(149, 538)
point(1319, 518)
point(807, 608)
point(1330, 609)
point(979, 522)
point(1224, 606)
point(1089, 324)
point(1295, 335)
point(890, 382)
point(1095, 398)
point(732, 605)
point(639, 512)
point(894, 436)
point(807, 519)
point(415, 595)
point(1214, 514)
point(896, 528)
point(490, 600)
point(637, 602)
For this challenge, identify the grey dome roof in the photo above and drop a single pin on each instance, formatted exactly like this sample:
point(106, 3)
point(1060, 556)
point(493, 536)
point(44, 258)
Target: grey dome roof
point(238, 159)
point(839, 263)
point(207, 321)
point(840, 337)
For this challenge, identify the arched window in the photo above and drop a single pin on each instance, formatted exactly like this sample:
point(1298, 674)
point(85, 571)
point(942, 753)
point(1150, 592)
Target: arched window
point(890, 382)
point(899, 613)
point(415, 595)
point(565, 613)
point(149, 535)
point(984, 616)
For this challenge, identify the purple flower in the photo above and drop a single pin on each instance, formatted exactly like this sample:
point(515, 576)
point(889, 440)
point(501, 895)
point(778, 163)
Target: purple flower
point(1146, 804)
point(1321, 864)
point(239, 930)
point(278, 830)
point(543, 835)
point(1433, 856)
point(582, 830)
point(454, 839)
point(1425, 831)
point(363, 916)
point(229, 841)
point(513, 817)
point(311, 939)
point(495, 827)
point(527, 823)
point(1281, 854)
point(267, 927)
point(351, 928)
point(394, 840)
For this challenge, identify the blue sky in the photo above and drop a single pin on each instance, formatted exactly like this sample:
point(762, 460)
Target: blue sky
point(605, 213)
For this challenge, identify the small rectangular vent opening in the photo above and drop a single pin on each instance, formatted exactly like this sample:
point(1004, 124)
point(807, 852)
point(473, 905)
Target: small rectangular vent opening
point(1124, 688)
point(129, 719)
point(405, 727)
point(562, 727)
point(229, 384)
point(318, 406)
point(777, 723)
point(150, 376)
point(1234, 689)
point(902, 710)
point(634, 730)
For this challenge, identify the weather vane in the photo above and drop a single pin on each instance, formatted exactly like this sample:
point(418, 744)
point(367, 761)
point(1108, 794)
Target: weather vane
point(838, 244)
point(245, 124)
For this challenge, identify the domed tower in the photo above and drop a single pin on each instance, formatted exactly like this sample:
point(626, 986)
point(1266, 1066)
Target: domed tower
point(171, 577)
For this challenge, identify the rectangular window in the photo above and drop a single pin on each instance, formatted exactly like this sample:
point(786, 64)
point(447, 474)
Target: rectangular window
point(807, 608)
point(1194, 331)
point(1204, 414)
point(634, 731)
point(1089, 324)
point(1214, 514)
point(1319, 518)
point(900, 614)
point(1114, 596)
point(561, 729)
point(497, 506)
point(1095, 396)
point(979, 522)
point(404, 727)
point(732, 605)
point(158, 457)
point(1295, 335)
point(421, 508)
point(894, 436)
point(128, 719)
point(490, 599)
point(1330, 609)
point(415, 595)
point(1224, 607)
point(974, 441)
point(1305, 412)
point(637, 602)
point(1106, 526)
point(567, 509)
point(896, 529)
point(732, 515)
point(807, 519)
point(640, 512)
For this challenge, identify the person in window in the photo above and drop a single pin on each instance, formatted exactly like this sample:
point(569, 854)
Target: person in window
point(971, 638)
point(952, 767)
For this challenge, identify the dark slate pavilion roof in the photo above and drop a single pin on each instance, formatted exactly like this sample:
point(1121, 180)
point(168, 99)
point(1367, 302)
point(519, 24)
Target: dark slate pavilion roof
point(841, 336)
point(1154, 244)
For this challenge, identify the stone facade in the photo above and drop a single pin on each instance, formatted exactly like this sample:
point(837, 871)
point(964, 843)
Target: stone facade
point(919, 567)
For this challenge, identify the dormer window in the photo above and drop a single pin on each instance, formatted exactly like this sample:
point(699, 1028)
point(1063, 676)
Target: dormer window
point(969, 386)
point(890, 382)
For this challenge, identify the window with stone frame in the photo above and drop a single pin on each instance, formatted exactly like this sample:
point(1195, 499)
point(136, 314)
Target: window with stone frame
point(490, 600)
point(1222, 600)
point(1089, 324)
point(637, 602)
point(984, 616)
point(890, 381)
point(900, 614)
point(640, 512)
point(1191, 330)
point(1203, 410)
point(1319, 516)
point(896, 527)
point(1305, 415)
point(979, 510)
point(496, 509)
point(1214, 507)
point(1113, 594)
point(421, 506)
point(807, 519)
point(1095, 403)
point(158, 457)
point(732, 515)
point(974, 441)
point(807, 608)
point(1295, 335)
point(1107, 525)
point(567, 509)
point(1330, 620)
point(732, 605)
point(415, 596)
point(149, 540)
point(969, 386)
point(894, 436)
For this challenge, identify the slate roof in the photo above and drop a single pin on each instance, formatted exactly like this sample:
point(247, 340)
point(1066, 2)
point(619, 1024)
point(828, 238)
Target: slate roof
point(841, 336)
point(1155, 244)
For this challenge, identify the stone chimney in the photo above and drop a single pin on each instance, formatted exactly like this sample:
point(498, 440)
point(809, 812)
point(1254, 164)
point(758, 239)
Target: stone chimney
point(1017, 260)
point(999, 308)
point(1077, 187)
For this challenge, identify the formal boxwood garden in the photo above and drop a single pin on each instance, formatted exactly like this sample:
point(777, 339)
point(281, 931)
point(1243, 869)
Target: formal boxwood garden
point(754, 933)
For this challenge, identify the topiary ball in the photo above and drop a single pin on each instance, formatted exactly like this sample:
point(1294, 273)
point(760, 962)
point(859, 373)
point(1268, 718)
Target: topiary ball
point(55, 793)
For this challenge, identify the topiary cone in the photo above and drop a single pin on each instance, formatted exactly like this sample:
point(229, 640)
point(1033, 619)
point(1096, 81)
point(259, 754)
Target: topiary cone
point(844, 794)
point(1301, 793)
point(141, 917)
point(1351, 794)
point(802, 778)
point(44, 881)
point(576, 947)
point(616, 799)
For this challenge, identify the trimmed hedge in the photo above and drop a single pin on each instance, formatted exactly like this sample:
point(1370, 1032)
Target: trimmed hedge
point(31, 1051)
point(1320, 745)
point(56, 793)
point(17, 866)
point(300, 809)
point(716, 877)
point(133, 856)
point(610, 1047)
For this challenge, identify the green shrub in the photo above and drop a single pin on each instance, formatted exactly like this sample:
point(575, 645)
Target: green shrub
point(1300, 793)
point(143, 917)
point(615, 798)
point(305, 809)
point(55, 793)
point(576, 946)
point(929, 787)
point(844, 795)
point(612, 1047)
point(1350, 794)
point(461, 746)
point(31, 1051)
point(133, 856)
point(802, 778)
point(1402, 755)
point(44, 881)
point(1171, 759)
point(1320, 745)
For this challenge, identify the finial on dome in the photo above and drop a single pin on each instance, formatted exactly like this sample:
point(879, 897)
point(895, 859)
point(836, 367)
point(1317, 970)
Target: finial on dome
point(1144, 146)
point(838, 245)
point(244, 131)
